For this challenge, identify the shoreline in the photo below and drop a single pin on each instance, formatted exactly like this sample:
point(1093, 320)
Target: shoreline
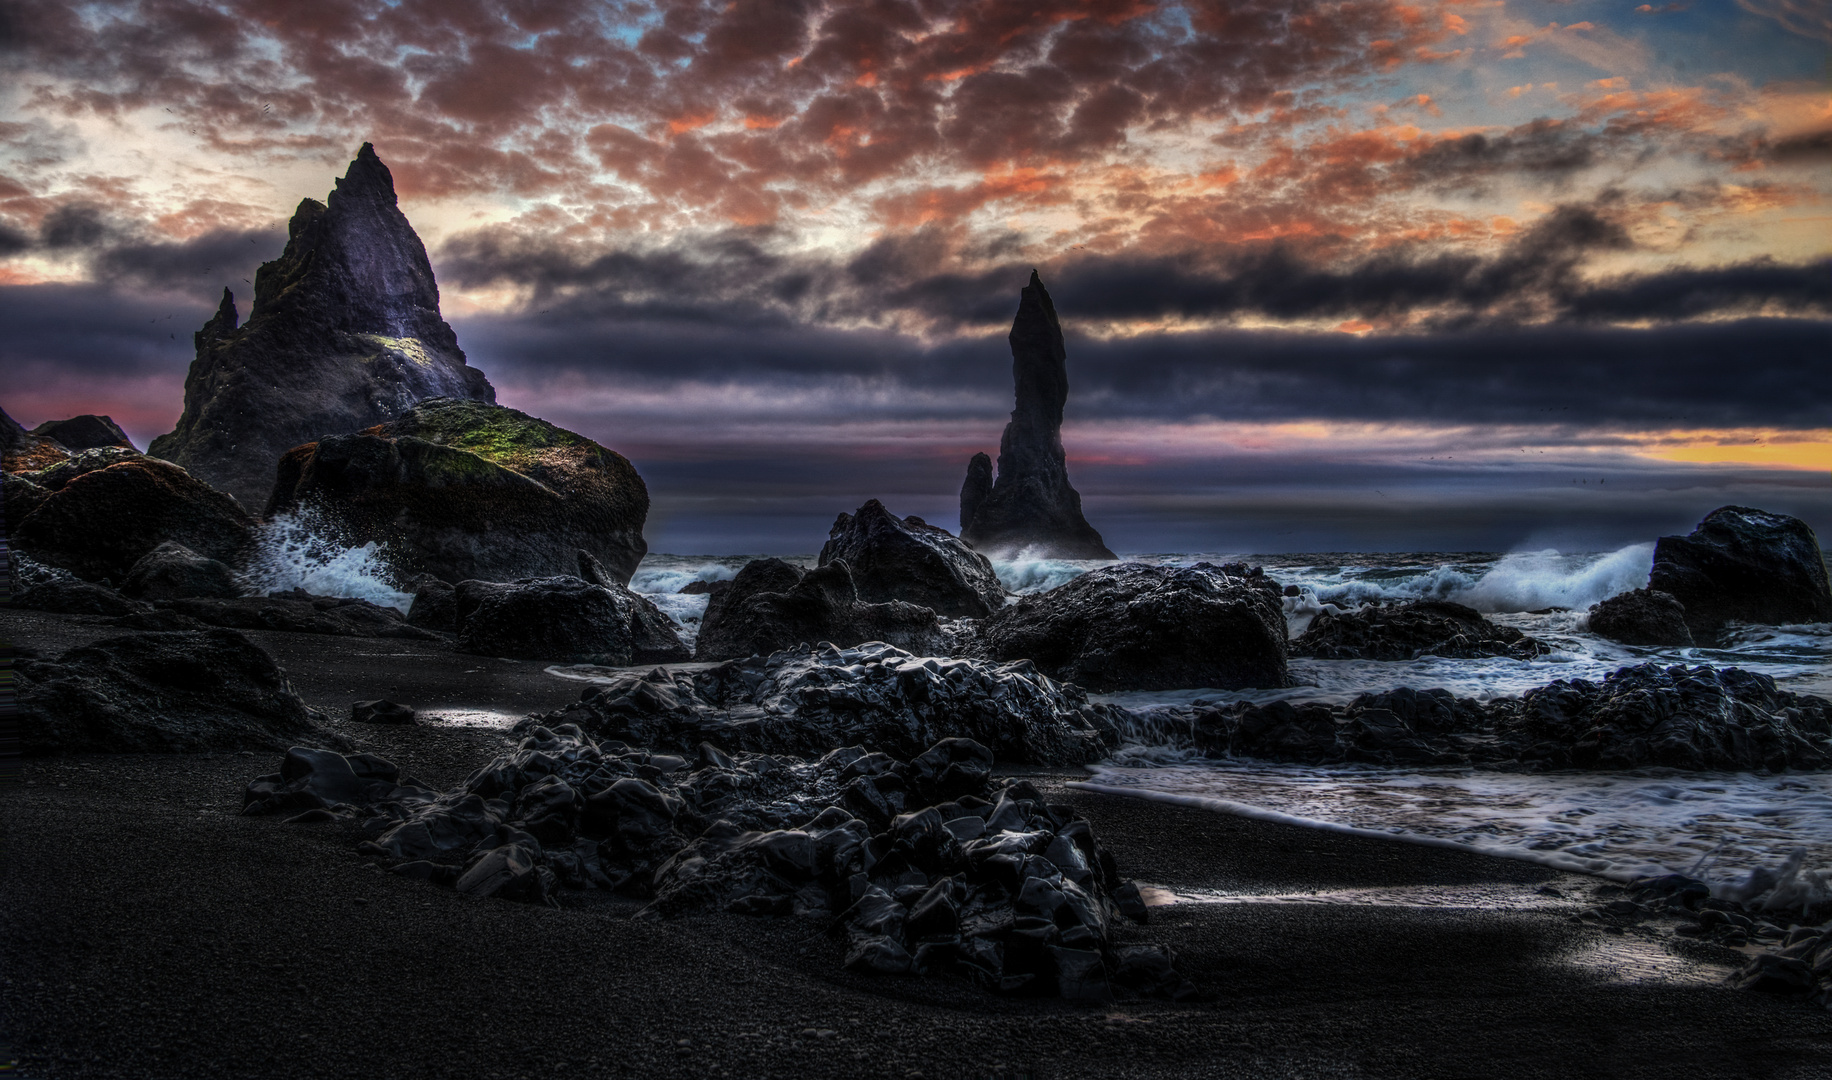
point(151, 931)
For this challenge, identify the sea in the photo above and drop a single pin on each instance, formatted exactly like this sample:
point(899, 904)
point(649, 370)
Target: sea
point(1721, 827)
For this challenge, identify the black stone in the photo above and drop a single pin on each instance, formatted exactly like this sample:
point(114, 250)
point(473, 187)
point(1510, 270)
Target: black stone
point(1645, 617)
point(172, 571)
point(381, 711)
point(563, 618)
point(1031, 505)
point(907, 559)
point(85, 432)
point(1744, 565)
point(773, 605)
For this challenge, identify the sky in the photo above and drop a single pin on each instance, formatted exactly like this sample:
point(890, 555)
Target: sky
point(1351, 276)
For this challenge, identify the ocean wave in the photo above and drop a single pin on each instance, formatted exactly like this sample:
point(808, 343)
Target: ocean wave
point(299, 550)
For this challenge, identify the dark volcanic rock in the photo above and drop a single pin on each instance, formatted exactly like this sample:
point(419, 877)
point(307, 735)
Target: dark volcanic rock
point(85, 432)
point(1641, 617)
point(1745, 565)
point(381, 711)
point(434, 606)
point(470, 491)
point(172, 571)
point(1031, 504)
point(345, 333)
point(952, 873)
point(74, 596)
point(22, 451)
point(163, 693)
point(1137, 627)
point(564, 618)
point(774, 605)
point(1410, 630)
point(908, 559)
point(809, 700)
point(104, 510)
point(300, 612)
point(1684, 718)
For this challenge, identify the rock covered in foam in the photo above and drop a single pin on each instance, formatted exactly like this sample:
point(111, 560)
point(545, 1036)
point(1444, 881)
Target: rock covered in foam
point(1139, 627)
point(1645, 617)
point(563, 618)
point(943, 871)
point(774, 605)
point(178, 692)
point(103, 510)
point(907, 559)
point(1744, 565)
point(806, 700)
point(467, 490)
point(1407, 631)
point(1697, 718)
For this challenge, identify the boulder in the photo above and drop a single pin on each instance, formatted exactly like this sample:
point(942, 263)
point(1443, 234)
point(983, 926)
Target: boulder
point(1031, 504)
point(434, 605)
point(48, 588)
point(104, 510)
point(466, 490)
point(300, 612)
point(1698, 718)
point(1744, 565)
point(22, 451)
point(1027, 904)
point(172, 571)
point(381, 711)
point(1646, 617)
point(345, 333)
point(564, 618)
point(85, 432)
point(908, 559)
point(808, 700)
point(180, 692)
point(1407, 631)
point(774, 605)
point(1138, 627)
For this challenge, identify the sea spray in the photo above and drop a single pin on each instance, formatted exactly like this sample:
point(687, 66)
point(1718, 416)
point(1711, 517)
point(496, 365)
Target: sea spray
point(300, 550)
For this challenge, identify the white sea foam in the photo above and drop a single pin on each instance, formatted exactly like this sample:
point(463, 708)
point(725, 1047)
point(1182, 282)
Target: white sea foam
point(298, 551)
point(1722, 827)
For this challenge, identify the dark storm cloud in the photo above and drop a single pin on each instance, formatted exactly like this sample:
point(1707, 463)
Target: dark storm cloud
point(740, 279)
point(92, 332)
point(73, 225)
point(201, 265)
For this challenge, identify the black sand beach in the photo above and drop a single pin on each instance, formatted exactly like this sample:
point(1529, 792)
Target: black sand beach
point(148, 930)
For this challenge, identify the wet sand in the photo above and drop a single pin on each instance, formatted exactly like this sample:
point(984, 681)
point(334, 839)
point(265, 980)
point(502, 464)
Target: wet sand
point(147, 930)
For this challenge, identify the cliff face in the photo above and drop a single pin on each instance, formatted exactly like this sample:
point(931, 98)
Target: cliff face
point(1031, 504)
point(345, 333)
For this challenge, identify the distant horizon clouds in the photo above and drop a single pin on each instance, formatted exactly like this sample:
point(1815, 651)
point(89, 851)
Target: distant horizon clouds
point(1347, 275)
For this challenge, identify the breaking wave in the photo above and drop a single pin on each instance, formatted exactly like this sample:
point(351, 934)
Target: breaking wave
point(298, 550)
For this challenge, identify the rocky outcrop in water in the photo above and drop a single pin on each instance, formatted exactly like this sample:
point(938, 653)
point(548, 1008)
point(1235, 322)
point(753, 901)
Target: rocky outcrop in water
point(1744, 565)
point(102, 511)
point(908, 559)
point(464, 490)
point(183, 692)
point(1407, 631)
point(807, 700)
point(1646, 617)
point(774, 605)
point(1683, 718)
point(563, 618)
point(1138, 627)
point(344, 333)
point(1031, 503)
point(963, 875)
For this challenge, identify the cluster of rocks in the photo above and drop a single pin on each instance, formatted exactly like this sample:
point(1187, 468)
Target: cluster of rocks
point(943, 871)
point(1739, 565)
point(773, 605)
point(591, 619)
point(1407, 631)
point(808, 699)
point(55, 440)
point(162, 692)
point(1781, 911)
point(909, 560)
point(1679, 717)
point(1139, 627)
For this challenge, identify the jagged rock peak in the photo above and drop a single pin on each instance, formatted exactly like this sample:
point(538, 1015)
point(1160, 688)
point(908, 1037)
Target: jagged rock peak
point(344, 333)
point(1031, 505)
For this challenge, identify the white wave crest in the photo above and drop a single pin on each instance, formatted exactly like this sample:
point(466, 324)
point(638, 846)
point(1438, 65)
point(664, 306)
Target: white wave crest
point(1532, 580)
point(298, 551)
point(1028, 572)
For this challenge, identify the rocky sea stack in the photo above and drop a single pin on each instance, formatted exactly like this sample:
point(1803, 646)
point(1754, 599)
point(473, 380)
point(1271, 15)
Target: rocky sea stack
point(345, 333)
point(468, 490)
point(1031, 504)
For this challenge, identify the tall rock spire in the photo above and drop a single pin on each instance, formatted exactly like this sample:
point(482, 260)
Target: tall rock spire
point(1031, 504)
point(345, 333)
